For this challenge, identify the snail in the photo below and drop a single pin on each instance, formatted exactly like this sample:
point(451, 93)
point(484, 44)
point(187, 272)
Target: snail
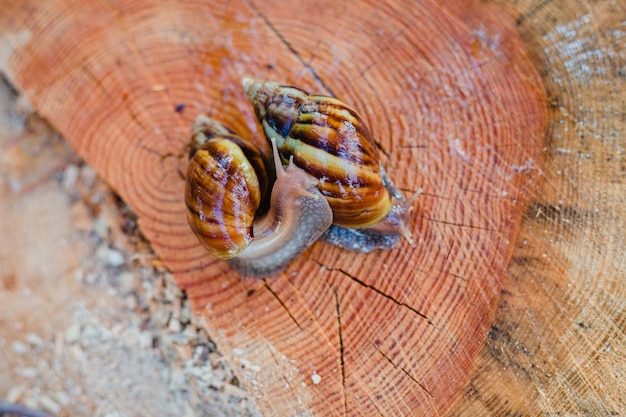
point(333, 187)
point(227, 180)
point(329, 140)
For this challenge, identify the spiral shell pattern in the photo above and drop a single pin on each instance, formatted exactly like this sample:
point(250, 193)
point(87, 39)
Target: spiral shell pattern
point(221, 211)
point(327, 139)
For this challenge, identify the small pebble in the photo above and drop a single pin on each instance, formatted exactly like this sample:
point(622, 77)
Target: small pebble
point(127, 280)
point(15, 394)
point(182, 351)
point(185, 314)
point(145, 340)
point(101, 227)
point(110, 257)
point(19, 347)
point(190, 333)
point(118, 329)
point(62, 398)
point(174, 326)
point(30, 402)
point(72, 334)
point(29, 372)
point(91, 278)
point(34, 340)
point(49, 405)
point(234, 391)
point(316, 378)
point(91, 332)
point(131, 302)
point(88, 175)
point(220, 374)
point(148, 287)
point(179, 338)
point(70, 176)
point(206, 376)
point(81, 217)
point(77, 353)
point(217, 383)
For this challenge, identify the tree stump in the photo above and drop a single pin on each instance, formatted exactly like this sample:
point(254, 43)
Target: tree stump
point(512, 301)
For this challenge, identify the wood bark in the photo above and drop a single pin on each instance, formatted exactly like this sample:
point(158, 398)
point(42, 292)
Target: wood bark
point(510, 115)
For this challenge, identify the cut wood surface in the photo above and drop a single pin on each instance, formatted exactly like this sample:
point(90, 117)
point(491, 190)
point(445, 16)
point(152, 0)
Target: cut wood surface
point(511, 303)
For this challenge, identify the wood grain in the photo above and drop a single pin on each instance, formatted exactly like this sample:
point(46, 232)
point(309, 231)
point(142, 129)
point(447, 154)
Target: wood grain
point(557, 345)
point(457, 107)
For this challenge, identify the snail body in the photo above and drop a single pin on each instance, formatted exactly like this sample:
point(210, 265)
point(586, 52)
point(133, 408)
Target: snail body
point(227, 179)
point(298, 216)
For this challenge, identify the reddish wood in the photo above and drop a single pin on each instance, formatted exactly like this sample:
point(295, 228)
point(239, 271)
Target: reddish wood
point(454, 102)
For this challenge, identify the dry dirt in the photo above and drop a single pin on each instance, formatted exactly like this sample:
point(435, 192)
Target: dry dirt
point(91, 323)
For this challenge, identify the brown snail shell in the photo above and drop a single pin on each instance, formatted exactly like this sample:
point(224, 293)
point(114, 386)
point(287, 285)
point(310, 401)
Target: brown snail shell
point(224, 190)
point(221, 210)
point(327, 139)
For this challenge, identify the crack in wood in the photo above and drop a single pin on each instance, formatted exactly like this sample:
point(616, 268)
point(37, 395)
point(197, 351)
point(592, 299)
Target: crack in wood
point(380, 413)
point(403, 371)
point(314, 52)
point(127, 103)
point(287, 383)
point(379, 54)
point(382, 149)
point(290, 47)
point(341, 351)
point(430, 219)
point(457, 276)
point(449, 251)
point(92, 77)
point(419, 146)
point(268, 288)
point(377, 291)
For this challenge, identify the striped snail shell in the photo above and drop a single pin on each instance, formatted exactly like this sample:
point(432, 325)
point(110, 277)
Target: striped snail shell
point(227, 180)
point(329, 140)
point(223, 190)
